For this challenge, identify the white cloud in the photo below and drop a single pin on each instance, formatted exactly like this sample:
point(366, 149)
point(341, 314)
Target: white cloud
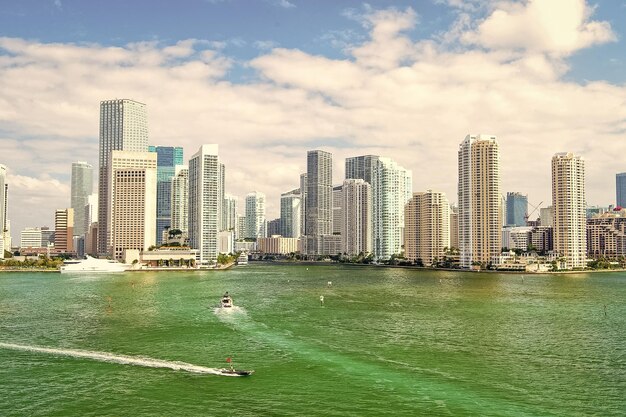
point(559, 27)
point(412, 101)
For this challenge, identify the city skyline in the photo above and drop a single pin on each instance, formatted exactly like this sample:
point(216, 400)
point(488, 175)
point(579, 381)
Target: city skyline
point(411, 101)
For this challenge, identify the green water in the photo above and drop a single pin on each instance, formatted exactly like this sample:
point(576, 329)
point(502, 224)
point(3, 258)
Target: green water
point(386, 342)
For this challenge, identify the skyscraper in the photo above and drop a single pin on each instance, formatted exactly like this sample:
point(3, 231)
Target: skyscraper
point(82, 188)
point(123, 126)
point(356, 217)
point(255, 215)
point(427, 227)
point(480, 219)
point(168, 157)
point(391, 189)
point(620, 189)
point(516, 209)
point(319, 210)
point(229, 212)
point(132, 193)
point(290, 209)
point(303, 191)
point(180, 199)
point(337, 208)
point(204, 195)
point(568, 201)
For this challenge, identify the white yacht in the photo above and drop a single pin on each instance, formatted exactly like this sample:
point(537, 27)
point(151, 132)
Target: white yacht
point(90, 264)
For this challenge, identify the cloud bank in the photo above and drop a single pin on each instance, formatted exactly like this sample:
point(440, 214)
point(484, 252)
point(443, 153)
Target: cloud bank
point(412, 100)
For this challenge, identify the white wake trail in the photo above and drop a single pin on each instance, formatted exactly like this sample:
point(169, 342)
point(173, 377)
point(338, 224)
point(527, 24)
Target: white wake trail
point(121, 359)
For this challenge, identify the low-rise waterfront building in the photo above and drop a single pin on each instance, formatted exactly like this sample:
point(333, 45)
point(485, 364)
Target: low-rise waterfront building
point(278, 245)
point(606, 235)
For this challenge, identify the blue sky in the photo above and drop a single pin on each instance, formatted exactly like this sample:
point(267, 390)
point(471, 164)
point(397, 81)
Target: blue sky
point(269, 79)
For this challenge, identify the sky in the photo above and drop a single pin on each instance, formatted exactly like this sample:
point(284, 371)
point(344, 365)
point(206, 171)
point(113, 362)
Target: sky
point(268, 80)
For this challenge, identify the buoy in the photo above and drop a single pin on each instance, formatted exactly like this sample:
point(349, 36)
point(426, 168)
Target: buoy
point(321, 300)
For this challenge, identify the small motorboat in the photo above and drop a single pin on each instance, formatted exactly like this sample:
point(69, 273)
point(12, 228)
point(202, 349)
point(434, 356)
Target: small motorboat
point(226, 301)
point(231, 371)
point(234, 372)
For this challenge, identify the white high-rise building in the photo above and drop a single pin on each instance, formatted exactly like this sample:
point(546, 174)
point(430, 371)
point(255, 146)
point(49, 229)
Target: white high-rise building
point(124, 127)
point(480, 208)
point(31, 238)
point(255, 215)
point(290, 209)
point(82, 188)
point(546, 216)
point(133, 197)
point(427, 227)
point(240, 229)
point(356, 217)
point(319, 200)
point(204, 205)
point(337, 208)
point(392, 186)
point(568, 202)
point(180, 198)
point(229, 212)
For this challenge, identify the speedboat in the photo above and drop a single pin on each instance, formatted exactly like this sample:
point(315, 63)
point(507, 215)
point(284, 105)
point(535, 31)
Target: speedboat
point(226, 301)
point(89, 264)
point(234, 372)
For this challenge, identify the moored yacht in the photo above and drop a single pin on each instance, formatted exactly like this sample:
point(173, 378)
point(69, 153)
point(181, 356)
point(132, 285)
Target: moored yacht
point(90, 264)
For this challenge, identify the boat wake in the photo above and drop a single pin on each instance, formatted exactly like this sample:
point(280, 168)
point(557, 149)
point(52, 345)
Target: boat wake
point(226, 312)
point(119, 359)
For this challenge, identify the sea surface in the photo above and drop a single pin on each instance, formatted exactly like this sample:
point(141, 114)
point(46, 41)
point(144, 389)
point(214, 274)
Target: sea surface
point(395, 342)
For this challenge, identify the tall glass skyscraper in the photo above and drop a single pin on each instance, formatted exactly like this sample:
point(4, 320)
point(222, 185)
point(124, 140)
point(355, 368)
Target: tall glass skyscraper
point(167, 159)
point(82, 188)
point(620, 189)
point(516, 209)
point(123, 127)
point(255, 215)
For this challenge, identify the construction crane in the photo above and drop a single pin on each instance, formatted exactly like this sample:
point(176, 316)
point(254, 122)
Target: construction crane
point(535, 208)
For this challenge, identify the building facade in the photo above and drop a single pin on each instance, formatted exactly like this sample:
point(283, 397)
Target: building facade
point(81, 189)
point(123, 126)
point(229, 212)
point(255, 215)
point(391, 190)
point(4, 203)
point(64, 230)
point(606, 235)
point(168, 157)
point(620, 189)
point(356, 217)
point(427, 227)
point(319, 205)
point(516, 209)
point(290, 210)
point(180, 199)
point(480, 217)
point(204, 193)
point(454, 227)
point(568, 200)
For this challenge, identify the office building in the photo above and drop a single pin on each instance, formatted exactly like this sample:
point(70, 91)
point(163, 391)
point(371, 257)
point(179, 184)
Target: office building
point(454, 227)
point(568, 200)
point(480, 217)
point(290, 210)
point(255, 215)
point(5, 243)
point(516, 209)
point(427, 227)
point(180, 198)
point(319, 209)
point(391, 190)
point(546, 216)
point(81, 189)
point(132, 183)
point(204, 205)
point(229, 212)
point(355, 223)
point(64, 230)
point(620, 189)
point(30, 237)
point(168, 157)
point(124, 127)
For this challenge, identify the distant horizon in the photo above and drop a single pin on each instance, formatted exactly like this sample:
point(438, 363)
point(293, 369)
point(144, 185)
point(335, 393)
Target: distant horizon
point(270, 80)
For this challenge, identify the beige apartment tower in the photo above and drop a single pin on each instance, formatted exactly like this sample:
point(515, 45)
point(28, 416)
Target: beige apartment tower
point(568, 202)
point(427, 227)
point(480, 211)
point(356, 218)
point(132, 198)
